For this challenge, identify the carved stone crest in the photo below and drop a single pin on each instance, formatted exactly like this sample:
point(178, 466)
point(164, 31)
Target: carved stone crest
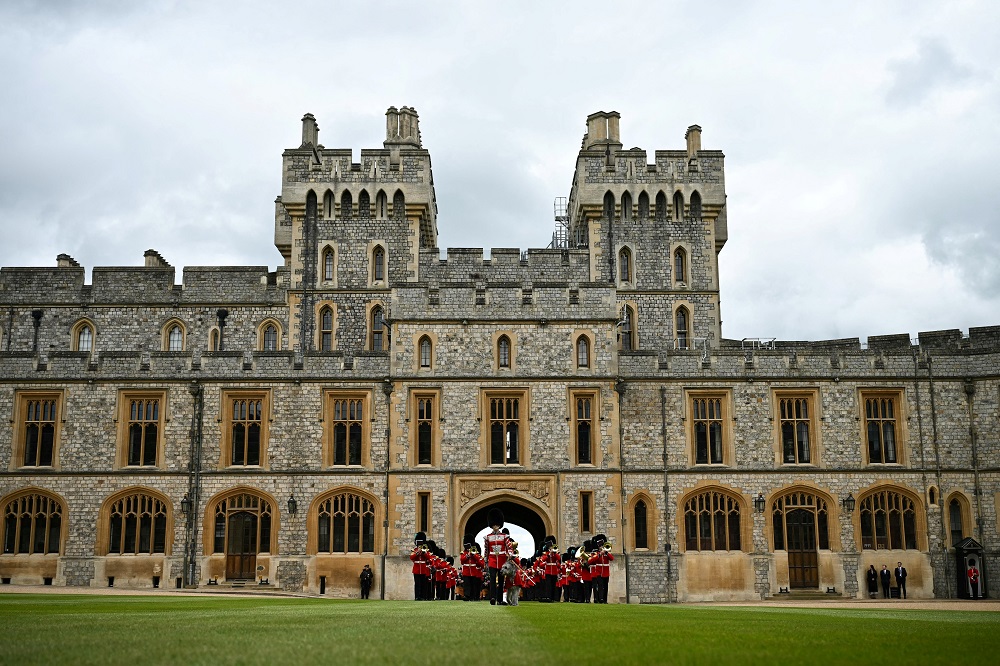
point(473, 488)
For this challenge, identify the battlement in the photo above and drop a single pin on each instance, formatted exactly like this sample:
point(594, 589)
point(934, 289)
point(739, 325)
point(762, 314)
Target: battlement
point(505, 265)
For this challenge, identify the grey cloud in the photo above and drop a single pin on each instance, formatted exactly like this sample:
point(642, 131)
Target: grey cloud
point(931, 68)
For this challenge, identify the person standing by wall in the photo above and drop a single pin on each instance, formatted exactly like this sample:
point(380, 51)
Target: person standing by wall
point(872, 577)
point(972, 573)
point(367, 577)
point(901, 579)
point(886, 579)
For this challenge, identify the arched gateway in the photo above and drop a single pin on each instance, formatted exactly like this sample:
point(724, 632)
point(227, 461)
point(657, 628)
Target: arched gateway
point(515, 510)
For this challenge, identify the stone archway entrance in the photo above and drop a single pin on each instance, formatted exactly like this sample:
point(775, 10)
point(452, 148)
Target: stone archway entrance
point(513, 512)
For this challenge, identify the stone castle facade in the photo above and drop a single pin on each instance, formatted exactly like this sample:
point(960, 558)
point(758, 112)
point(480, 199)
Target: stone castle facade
point(291, 426)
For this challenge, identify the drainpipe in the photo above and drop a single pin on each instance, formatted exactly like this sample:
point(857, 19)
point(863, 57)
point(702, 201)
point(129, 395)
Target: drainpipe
point(970, 394)
point(221, 315)
point(10, 326)
point(194, 482)
point(387, 391)
point(666, 490)
point(620, 389)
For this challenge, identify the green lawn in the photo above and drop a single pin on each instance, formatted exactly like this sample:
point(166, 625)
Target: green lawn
point(77, 629)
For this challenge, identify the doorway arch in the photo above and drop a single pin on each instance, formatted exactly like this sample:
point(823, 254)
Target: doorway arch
point(515, 510)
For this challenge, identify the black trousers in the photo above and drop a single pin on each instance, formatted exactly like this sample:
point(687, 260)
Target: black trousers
point(551, 591)
point(365, 589)
point(496, 586)
point(418, 586)
point(901, 584)
point(601, 590)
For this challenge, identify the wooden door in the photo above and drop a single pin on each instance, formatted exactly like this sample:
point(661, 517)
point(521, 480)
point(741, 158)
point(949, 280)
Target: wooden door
point(241, 548)
point(803, 560)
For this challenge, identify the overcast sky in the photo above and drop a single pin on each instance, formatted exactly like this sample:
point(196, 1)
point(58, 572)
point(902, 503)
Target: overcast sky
point(862, 140)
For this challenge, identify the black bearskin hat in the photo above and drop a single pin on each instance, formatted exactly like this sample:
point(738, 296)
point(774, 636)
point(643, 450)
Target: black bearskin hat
point(431, 546)
point(571, 551)
point(450, 559)
point(599, 540)
point(495, 517)
point(419, 538)
point(466, 542)
point(588, 545)
point(505, 531)
point(550, 540)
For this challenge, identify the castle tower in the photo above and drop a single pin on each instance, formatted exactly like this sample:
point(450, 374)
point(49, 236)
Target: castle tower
point(654, 230)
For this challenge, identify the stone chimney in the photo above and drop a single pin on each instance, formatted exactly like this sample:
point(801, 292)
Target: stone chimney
point(66, 261)
point(402, 127)
point(603, 129)
point(310, 131)
point(391, 124)
point(693, 136)
point(154, 260)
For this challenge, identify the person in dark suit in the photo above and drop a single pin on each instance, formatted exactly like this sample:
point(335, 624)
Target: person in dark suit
point(872, 577)
point(886, 577)
point(367, 576)
point(901, 579)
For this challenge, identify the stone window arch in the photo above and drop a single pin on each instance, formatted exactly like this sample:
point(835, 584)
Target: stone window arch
point(627, 338)
point(364, 205)
point(425, 352)
point(398, 205)
point(680, 266)
point(84, 336)
point(174, 336)
point(695, 205)
point(327, 319)
point(788, 506)
point(890, 519)
point(378, 332)
point(609, 205)
point(642, 511)
point(381, 205)
point(269, 335)
point(583, 352)
point(136, 521)
point(625, 267)
point(626, 205)
point(343, 521)
point(259, 507)
point(213, 339)
point(643, 205)
point(378, 264)
point(346, 205)
point(678, 206)
point(328, 264)
point(661, 206)
point(328, 207)
point(682, 328)
point(959, 518)
point(504, 352)
point(34, 523)
point(713, 520)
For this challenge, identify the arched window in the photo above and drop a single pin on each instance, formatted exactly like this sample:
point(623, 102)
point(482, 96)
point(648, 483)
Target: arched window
point(243, 520)
point(626, 206)
point(680, 265)
point(345, 523)
point(712, 521)
point(888, 520)
point(364, 205)
point(348, 430)
point(640, 525)
point(626, 330)
point(609, 205)
point(625, 265)
point(32, 525)
point(378, 264)
point(84, 338)
point(270, 337)
point(381, 205)
point(957, 513)
point(379, 341)
point(425, 430)
point(425, 352)
point(695, 206)
point(398, 205)
point(661, 206)
point(213, 340)
point(328, 205)
point(246, 430)
point(681, 329)
point(328, 264)
point(800, 520)
point(582, 352)
point(678, 206)
point(137, 524)
point(643, 205)
point(503, 352)
point(326, 328)
point(175, 338)
point(40, 420)
point(346, 205)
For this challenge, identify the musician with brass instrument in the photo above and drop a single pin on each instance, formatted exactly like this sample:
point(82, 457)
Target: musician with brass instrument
point(470, 590)
point(587, 573)
point(601, 562)
point(496, 550)
point(421, 571)
point(552, 562)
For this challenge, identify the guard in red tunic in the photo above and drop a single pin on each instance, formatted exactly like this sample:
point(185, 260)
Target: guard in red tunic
point(420, 571)
point(496, 553)
point(551, 562)
point(587, 572)
point(600, 563)
point(468, 562)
